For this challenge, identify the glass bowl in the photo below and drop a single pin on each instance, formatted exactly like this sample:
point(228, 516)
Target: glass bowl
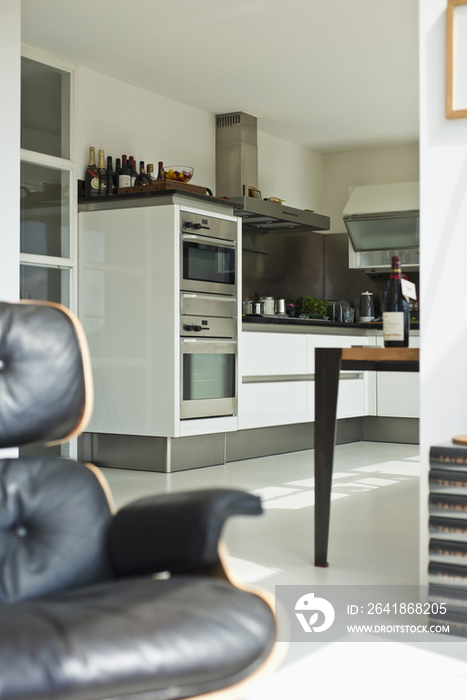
point(180, 173)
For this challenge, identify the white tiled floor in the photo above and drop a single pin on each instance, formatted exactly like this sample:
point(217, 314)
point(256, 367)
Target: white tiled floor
point(373, 540)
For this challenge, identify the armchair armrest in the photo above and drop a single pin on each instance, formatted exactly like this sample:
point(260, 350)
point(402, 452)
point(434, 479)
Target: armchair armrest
point(177, 532)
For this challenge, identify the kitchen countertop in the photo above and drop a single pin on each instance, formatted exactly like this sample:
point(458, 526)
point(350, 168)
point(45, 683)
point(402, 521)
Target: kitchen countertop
point(151, 198)
point(303, 325)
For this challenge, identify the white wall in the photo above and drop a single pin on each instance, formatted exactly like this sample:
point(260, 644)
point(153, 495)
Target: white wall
point(290, 172)
point(443, 278)
point(10, 58)
point(122, 118)
point(377, 166)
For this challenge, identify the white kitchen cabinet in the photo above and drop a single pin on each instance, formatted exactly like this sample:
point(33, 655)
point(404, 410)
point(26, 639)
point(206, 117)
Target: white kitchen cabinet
point(129, 305)
point(398, 393)
point(266, 361)
point(353, 399)
point(266, 404)
point(277, 378)
point(264, 354)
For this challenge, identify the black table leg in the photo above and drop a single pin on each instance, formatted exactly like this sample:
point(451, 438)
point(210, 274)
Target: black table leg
point(327, 367)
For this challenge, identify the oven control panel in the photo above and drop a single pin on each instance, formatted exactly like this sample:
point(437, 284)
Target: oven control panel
point(209, 226)
point(208, 327)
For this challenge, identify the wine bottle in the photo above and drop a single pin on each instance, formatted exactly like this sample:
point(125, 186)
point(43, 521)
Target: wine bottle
point(91, 178)
point(117, 172)
point(133, 171)
point(142, 178)
point(110, 175)
point(160, 171)
point(124, 177)
point(102, 174)
point(150, 172)
point(395, 310)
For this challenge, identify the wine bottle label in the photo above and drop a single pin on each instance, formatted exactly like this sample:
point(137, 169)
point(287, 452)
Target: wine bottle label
point(124, 181)
point(393, 325)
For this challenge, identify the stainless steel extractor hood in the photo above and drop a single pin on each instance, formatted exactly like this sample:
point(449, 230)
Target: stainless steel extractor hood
point(383, 217)
point(237, 173)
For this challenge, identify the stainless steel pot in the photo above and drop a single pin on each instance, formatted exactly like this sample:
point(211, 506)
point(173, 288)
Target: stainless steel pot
point(258, 308)
point(269, 308)
point(280, 306)
point(253, 307)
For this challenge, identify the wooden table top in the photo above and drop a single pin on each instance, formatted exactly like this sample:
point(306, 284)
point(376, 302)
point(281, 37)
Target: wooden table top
point(381, 354)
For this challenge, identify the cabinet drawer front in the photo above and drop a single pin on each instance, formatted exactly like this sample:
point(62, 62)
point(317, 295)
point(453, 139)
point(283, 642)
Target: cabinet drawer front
point(272, 354)
point(350, 399)
point(398, 394)
point(277, 403)
point(330, 341)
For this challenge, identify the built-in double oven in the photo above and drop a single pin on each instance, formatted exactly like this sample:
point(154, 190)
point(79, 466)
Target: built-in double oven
point(208, 316)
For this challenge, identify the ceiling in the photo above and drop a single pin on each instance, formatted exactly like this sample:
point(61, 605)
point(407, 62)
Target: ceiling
point(331, 75)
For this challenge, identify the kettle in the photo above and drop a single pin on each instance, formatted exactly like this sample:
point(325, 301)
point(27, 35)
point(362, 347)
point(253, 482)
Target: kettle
point(367, 307)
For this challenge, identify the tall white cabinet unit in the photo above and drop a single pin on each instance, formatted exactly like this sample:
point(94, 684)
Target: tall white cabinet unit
point(129, 304)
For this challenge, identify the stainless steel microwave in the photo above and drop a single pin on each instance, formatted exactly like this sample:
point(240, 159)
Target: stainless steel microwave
point(208, 255)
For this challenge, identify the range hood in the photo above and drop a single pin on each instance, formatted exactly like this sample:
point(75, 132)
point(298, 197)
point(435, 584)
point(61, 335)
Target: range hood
point(383, 217)
point(237, 176)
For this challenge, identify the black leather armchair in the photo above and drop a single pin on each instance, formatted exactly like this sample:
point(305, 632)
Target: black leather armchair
point(95, 604)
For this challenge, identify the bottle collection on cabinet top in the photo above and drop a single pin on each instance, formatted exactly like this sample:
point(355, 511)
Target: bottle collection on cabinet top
point(102, 180)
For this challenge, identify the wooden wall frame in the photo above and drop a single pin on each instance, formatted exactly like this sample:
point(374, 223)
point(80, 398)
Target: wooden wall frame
point(452, 113)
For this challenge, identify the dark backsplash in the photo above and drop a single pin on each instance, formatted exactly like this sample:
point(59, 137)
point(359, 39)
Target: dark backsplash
point(307, 264)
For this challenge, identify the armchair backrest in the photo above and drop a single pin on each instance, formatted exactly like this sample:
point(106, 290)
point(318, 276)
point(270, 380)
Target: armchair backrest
point(46, 393)
point(54, 514)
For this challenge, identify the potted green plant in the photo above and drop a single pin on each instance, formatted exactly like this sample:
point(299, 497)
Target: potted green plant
point(314, 307)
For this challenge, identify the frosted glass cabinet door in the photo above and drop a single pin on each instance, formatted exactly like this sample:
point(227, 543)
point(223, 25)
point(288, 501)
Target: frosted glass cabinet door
point(45, 109)
point(45, 283)
point(45, 210)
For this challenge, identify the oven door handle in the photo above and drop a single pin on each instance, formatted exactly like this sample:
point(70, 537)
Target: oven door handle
point(220, 242)
point(209, 297)
point(210, 344)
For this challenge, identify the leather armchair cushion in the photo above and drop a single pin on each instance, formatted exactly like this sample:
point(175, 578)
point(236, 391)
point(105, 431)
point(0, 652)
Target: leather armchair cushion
point(178, 532)
point(42, 381)
point(54, 519)
point(169, 638)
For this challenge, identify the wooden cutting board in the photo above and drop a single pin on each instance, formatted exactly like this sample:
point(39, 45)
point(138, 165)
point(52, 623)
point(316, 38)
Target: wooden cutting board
point(159, 185)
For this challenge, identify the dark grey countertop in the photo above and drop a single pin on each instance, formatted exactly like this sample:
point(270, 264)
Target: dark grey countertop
point(287, 321)
point(154, 196)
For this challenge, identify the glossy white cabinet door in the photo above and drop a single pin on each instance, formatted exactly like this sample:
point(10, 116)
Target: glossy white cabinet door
point(272, 403)
point(128, 304)
point(350, 399)
point(398, 393)
point(272, 354)
point(331, 341)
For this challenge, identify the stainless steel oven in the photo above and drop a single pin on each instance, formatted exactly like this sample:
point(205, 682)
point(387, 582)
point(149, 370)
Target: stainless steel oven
point(208, 377)
point(208, 259)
